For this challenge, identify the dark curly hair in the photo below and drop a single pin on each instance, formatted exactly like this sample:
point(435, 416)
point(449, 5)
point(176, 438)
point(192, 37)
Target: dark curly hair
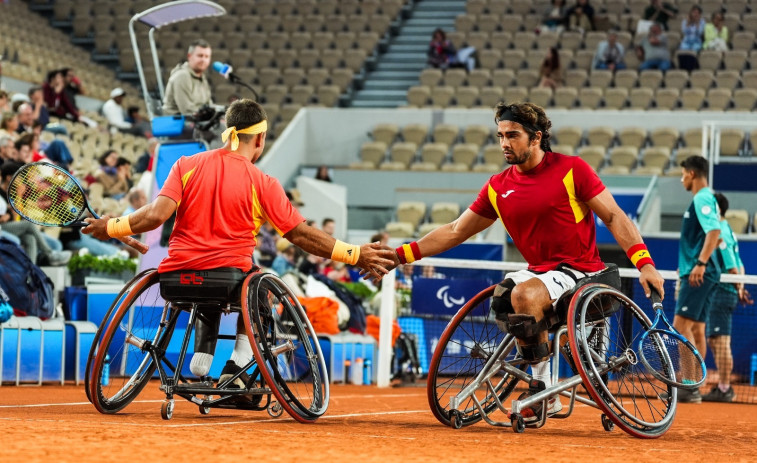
point(532, 117)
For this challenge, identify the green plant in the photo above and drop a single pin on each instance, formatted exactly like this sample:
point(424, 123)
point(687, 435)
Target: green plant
point(101, 264)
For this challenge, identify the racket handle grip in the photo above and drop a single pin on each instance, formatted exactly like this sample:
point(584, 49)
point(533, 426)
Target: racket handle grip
point(655, 296)
point(138, 245)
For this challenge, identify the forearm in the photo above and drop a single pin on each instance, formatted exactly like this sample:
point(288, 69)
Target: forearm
point(624, 231)
point(311, 240)
point(441, 239)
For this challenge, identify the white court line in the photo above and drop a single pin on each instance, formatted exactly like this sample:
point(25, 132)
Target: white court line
point(615, 447)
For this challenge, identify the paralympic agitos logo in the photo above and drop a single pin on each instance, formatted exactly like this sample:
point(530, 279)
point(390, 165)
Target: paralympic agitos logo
point(443, 295)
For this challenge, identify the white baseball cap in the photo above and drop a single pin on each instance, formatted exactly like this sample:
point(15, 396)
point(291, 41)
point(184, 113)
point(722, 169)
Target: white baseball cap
point(116, 92)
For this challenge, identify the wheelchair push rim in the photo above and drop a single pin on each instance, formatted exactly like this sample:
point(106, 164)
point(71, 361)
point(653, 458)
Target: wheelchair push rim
point(290, 358)
point(606, 326)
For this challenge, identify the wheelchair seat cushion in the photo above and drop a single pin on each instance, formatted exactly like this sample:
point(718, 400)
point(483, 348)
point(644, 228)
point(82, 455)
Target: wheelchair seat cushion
point(220, 285)
point(609, 276)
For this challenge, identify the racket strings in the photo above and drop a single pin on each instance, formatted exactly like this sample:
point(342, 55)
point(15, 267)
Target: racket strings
point(686, 367)
point(45, 195)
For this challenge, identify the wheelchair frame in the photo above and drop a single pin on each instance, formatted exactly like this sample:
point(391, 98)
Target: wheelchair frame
point(270, 344)
point(500, 361)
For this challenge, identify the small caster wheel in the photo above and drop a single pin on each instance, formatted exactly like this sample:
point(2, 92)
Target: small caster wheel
point(166, 410)
point(456, 419)
point(203, 409)
point(607, 423)
point(275, 409)
point(518, 424)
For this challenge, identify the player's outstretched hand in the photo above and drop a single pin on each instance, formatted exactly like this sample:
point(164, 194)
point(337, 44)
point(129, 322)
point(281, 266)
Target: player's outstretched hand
point(97, 227)
point(651, 277)
point(376, 260)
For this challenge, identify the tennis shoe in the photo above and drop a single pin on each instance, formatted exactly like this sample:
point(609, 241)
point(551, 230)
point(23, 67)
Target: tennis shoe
point(716, 395)
point(58, 258)
point(685, 396)
point(533, 413)
point(231, 369)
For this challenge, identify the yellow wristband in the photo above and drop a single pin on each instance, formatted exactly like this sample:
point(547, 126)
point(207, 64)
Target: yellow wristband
point(347, 253)
point(119, 227)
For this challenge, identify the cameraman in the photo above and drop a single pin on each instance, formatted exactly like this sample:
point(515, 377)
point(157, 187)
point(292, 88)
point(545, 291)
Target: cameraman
point(188, 89)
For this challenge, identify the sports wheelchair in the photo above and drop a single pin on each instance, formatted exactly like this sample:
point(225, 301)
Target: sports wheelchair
point(595, 328)
point(134, 342)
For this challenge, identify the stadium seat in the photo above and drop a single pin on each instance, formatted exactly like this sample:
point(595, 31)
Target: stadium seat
point(515, 94)
point(738, 219)
point(564, 149)
point(490, 96)
point(632, 136)
point(341, 77)
point(478, 40)
point(718, 99)
point(412, 212)
point(590, 97)
point(566, 97)
point(385, 133)
point(418, 95)
point(576, 78)
point(569, 135)
point(445, 133)
point(749, 78)
point(455, 77)
point(676, 78)
point(600, 136)
point(541, 96)
point(615, 170)
point(710, 59)
point(415, 133)
point(624, 156)
point(441, 95)
point(592, 39)
point(479, 78)
point(465, 154)
point(626, 78)
point(583, 59)
point(403, 152)
point(490, 58)
point(735, 59)
point(731, 141)
point(692, 98)
point(427, 228)
point(593, 155)
point(702, 78)
point(400, 229)
point(744, 99)
point(656, 156)
point(466, 97)
point(600, 78)
point(650, 78)
point(528, 78)
point(616, 98)
point(492, 155)
point(664, 136)
point(434, 153)
point(727, 79)
point(444, 212)
point(571, 40)
point(476, 134)
point(685, 152)
point(640, 98)
point(647, 170)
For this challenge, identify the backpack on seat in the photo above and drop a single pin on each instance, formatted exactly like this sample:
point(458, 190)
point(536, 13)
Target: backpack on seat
point(29, 290)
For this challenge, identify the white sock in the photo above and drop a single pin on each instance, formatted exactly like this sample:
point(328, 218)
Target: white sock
point(541, 372)
point(242, 351)
point(200, 365)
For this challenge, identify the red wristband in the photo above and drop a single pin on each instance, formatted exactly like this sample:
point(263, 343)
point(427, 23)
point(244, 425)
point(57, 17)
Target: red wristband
point(639, 255)
point(409, 253)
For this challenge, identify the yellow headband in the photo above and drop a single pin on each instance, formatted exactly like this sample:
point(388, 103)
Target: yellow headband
point(260, 127)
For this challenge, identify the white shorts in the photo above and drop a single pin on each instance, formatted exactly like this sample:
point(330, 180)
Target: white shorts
point(558, 282)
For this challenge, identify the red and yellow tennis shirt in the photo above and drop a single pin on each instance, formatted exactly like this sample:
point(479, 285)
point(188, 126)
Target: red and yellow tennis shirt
point(223, 200)
point(544, 210)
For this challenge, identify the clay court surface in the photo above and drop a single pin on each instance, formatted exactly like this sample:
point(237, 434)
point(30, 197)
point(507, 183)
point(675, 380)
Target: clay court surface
point(363, 424)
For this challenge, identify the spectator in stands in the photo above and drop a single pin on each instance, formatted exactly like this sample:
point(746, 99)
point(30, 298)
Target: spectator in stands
point(580, 17)
point(610, 53)
point(554, 16)
point(7, 150)
point(114, 173)
point(39, 108)
point(328, 225)
point(443, 55)
point(136, 198)
point(692, 28)
point(188, 88)
point(653, 51)
point(41, 248)
point(57, 99)
point(144, 163)
point(716, 33)
point(58, 153)
point(284, 261)
point(73, 86)
point(138, 122)
point(380, 237)
point(9, 125)
point(724, 301)
point(265, 246)
point(294, 197)
point(550, 74)
point(660, 13)
point(699, 273)
point(4, 102)
point(114, 112)
point(323, 174)
point(25, 118)
point(24, 151)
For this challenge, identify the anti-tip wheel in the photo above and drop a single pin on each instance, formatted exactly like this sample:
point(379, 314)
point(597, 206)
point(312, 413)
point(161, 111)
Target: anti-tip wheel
point(456, 419)
point(607, 423)
point(519, 425)
point(275, 409)
point(166, 410)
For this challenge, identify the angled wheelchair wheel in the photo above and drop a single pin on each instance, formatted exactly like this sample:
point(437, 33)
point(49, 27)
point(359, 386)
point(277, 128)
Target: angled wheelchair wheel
point(285, 347)
point(604, 331)
point(128, 288)
point(471, 338)
point(138, 326)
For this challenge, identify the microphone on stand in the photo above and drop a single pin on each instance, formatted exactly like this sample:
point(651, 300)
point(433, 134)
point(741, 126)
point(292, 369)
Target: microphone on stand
point(227, 71)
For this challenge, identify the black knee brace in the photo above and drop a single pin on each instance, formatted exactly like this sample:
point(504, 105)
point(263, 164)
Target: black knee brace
point(501, 304)
point(526, 328)
point(206, 330)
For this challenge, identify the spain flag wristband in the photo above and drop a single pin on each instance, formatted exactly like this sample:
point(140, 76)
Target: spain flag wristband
point(639, 255)
point(408, 253)
point(119, 227)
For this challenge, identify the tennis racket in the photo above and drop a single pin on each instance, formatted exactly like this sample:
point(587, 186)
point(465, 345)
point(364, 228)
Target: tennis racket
point(47, 195)
point(669, 356)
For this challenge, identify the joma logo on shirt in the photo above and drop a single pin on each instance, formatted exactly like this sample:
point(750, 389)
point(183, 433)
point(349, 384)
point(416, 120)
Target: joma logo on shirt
point(507, 193)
